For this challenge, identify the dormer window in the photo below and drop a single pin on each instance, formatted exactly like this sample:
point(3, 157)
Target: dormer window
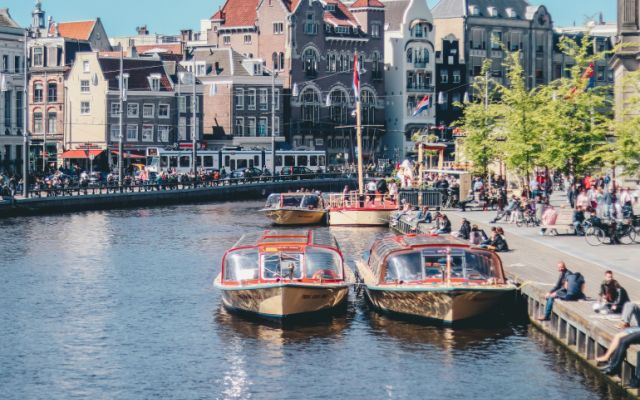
point(492, 11)
point(154, 82)
point(474, 11)
point(511, 13)
point(331, 7)
point(257, 69)
point(125, 80)
point(342, 29)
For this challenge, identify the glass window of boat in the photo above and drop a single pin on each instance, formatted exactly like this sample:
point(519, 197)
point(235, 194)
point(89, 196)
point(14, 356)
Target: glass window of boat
point(241, 265)
point(282, 266)
point(322, 264)
point(311, 202)
point(273, 201)
point(291, 201)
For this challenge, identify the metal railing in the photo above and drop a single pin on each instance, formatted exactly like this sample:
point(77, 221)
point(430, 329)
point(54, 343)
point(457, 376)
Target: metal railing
point(104, 188)
point(354, 200)
point(421, 198)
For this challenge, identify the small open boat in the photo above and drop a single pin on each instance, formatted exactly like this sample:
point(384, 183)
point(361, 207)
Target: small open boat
point(355, 209)
point(295, 209)
point(280, 275)
point(439, 278)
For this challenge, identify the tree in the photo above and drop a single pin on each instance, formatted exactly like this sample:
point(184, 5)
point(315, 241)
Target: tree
point(479, 123)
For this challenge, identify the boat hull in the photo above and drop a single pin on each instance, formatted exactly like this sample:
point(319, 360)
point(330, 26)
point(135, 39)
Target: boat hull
point(441, 304)
point(295, 216)
point(286, 300)
point(359, 217)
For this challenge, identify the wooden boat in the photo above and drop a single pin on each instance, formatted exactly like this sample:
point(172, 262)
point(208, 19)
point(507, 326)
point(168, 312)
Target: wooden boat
point(295, 209)
point(438, 278)
point(354, 209)
point(280, 275)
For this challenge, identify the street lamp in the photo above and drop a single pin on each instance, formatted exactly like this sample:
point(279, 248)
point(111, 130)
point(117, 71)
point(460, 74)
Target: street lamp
point(273, 123)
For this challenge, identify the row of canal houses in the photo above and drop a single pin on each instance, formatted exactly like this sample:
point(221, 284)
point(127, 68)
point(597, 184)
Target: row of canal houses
point(258, 68)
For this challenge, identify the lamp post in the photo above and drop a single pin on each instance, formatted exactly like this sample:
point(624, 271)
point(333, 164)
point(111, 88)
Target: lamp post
point(273, 123)
point(25, 119)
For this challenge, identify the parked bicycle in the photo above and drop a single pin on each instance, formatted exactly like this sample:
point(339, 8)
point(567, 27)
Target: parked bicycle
point(598, 232)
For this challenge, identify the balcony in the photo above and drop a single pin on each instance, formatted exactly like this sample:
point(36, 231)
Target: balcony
point(421, 88)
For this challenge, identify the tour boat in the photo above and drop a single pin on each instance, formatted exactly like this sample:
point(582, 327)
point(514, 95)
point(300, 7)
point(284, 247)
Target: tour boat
point(295, 209)
point(354, 209)
point(438, 278)
point(279, 275)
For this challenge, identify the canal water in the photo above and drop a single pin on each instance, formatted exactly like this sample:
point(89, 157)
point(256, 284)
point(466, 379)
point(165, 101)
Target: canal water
point(120, 305)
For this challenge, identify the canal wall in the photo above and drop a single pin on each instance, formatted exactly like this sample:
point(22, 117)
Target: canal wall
point(532, 266)
point(247, 191)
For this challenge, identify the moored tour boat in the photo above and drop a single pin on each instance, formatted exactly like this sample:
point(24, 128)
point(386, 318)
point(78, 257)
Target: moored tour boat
point(295, 209)
point(281, 275)
point(353, 209)
point(438, 278)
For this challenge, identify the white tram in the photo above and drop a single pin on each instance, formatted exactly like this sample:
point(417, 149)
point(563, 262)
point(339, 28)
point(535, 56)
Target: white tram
point(230, 159)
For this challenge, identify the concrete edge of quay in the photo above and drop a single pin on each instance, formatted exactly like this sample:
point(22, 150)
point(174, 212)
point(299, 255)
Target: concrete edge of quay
point(570, 325)
point(250, 191)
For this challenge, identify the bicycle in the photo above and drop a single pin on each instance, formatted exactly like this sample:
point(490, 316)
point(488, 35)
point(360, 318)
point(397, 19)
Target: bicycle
point(528, 219)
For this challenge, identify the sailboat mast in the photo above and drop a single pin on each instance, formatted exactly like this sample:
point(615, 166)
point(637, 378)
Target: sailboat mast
point(359, 136)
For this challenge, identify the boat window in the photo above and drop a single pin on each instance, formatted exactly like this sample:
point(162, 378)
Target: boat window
point(311, 202)
point(404, 267)
point(464, 264)
point(273, 201)
point(282, 266)
point(291, 201)
point(241, 265)
point(322, 264)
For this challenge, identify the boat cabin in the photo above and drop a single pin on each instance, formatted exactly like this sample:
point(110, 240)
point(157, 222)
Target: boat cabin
point(433, 259)
point(273, 257)
point(309, 201)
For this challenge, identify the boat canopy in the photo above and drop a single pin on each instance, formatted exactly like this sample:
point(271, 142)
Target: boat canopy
point(273, 256)
point(433, 259)
point(302, 200)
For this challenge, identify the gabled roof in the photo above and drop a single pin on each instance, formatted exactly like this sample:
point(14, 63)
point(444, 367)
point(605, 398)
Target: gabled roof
point(227, 61)
point(341, 16)
point(139, 71)
point(460, 8)
point(80, 30)
point(6, 20)
point(367, 4)
point(394, 13)
point(163, 48)
point(237, 13)
point(291, 4)
point(450, 9)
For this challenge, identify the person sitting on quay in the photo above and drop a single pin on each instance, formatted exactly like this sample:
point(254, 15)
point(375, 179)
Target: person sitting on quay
point(569, 287)
point(406, 208)
point(443, 225)
point(610, 362)
point(612, 295)
point(630, 314)
point(513, 205)
point(465, 230)
point(423, 216)
point(477, 236)
point(496, 242)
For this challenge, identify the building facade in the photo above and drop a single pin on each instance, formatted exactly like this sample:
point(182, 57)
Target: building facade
point(154, 114)
point(12, 90)
point(311, 45)
point(242, 100)
point(410, 74)
point(627, 58)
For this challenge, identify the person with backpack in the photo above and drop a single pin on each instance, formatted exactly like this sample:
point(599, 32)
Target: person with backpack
point(569, 287)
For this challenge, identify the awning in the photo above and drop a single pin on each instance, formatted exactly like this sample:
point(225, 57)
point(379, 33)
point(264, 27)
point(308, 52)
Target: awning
point(129, 155)
point(81, 153)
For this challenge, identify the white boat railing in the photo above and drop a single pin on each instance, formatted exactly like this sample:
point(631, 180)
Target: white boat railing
point(354, 200)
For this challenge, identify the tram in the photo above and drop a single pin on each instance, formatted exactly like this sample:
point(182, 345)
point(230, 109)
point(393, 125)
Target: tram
point(159, 159)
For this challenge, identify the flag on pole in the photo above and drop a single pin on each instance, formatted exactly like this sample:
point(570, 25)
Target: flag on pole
point(356, 77)
point(422, 105)
point(588, 80)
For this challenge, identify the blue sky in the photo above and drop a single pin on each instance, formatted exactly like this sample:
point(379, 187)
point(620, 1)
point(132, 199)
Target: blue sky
point(120, 17)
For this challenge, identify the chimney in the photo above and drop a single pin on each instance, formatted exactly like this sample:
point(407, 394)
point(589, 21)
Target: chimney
point(142, 30)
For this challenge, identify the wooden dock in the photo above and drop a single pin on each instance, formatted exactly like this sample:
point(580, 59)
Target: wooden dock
point(532, 266)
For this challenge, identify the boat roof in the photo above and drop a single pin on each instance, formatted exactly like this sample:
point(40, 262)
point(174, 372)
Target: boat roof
point(288, 237)
point(392, 244)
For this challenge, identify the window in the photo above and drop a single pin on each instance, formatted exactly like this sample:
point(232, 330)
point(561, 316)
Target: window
point(115, 109)
point(163, 111)
point(281, 61)
point(37, 122)
point(251, 126)
point(132, 133)
point(7, 109)
point(310, 26)
point(444, 76)
point(201, 69)
point(114, 132)
point(5, 63)
point(264, 99)
point(85, 108)
point(263, 126)
point(239, 127)
point(417, 31)
point(163, 133)
point(278, 28)
point(331, 7)
point(456, 76)
point(375, 30)
point(276, 127)
point(601, 73)
point(342, 29)
point(148, 110)
point(310, 106)
point(226, 40)
point(182, 129)
point(154, 82)
point(17, 64)
point(239, 99)
point(247, 39)
point(52, 119)
point(133, 110)
point(276, 94)
point(38, 94)
point(52, 92)
point(38, 56)
point(147, 133)
point(84, 86)
point(182, 104)
point(19, 106)
point(251, 99)
point(309, 62)
point(496, 40)
point(86, 67)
